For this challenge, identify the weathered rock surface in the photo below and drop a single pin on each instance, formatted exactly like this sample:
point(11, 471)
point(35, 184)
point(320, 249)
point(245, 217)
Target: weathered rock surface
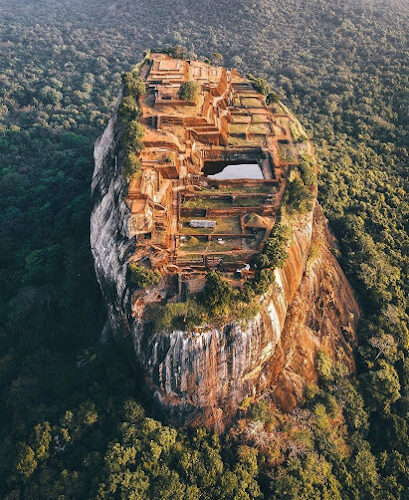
point(202, 378)
point(321, 316)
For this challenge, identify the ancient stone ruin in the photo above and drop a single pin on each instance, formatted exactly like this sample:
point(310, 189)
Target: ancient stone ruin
point(188, 214)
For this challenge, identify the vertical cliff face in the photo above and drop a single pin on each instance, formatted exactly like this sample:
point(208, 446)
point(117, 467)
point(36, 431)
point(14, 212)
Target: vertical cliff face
point(110, 244)
point(321, 317)
point(202, 378)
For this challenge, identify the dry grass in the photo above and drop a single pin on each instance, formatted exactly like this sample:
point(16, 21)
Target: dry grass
point(206, 202)
point(215, 246)
point(286, 152)
point(259, 118)
point(241, 118)
point(236, 188)
point(239, 142)
point(226, 225)
point(238, 128)
point(251, 102)
point(261, 128)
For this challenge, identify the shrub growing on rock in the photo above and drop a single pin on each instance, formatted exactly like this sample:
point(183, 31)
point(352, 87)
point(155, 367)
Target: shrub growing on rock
point(324, 366)
point(132, 138)
point(179, 316)
point(275, 247)
point(189, 91)
point(307, 170)
point(297, 197)
point(143, 277)
point(217, 294)
point(129, 113)
point(260, 85)
point(272, 98)
point(129, 109)
point(263, 278)
point(262, 261)
point(178, 52)
point(260, 411)
point(133, 84)
point(132, 165)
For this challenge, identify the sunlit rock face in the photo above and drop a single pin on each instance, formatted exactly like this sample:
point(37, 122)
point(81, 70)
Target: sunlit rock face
point(322, 315)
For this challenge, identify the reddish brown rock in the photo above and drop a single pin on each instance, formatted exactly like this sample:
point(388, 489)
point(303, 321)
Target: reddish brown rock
point(322, 316)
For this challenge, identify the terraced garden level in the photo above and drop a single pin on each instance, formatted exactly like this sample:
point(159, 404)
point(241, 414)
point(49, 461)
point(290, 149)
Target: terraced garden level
point(213, 170)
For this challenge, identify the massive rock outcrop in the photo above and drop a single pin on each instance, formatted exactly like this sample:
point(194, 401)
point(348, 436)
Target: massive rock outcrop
point(201, 377)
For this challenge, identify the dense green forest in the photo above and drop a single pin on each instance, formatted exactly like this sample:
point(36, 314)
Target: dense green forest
point(72, 424)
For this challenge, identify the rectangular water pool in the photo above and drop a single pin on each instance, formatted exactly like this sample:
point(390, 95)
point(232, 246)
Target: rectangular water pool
point(227, 170)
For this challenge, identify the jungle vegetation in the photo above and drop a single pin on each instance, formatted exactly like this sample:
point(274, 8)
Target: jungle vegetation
point(74, 422)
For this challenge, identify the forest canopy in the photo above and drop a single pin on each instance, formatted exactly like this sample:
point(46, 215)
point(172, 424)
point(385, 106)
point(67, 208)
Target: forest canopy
point(75, 422)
